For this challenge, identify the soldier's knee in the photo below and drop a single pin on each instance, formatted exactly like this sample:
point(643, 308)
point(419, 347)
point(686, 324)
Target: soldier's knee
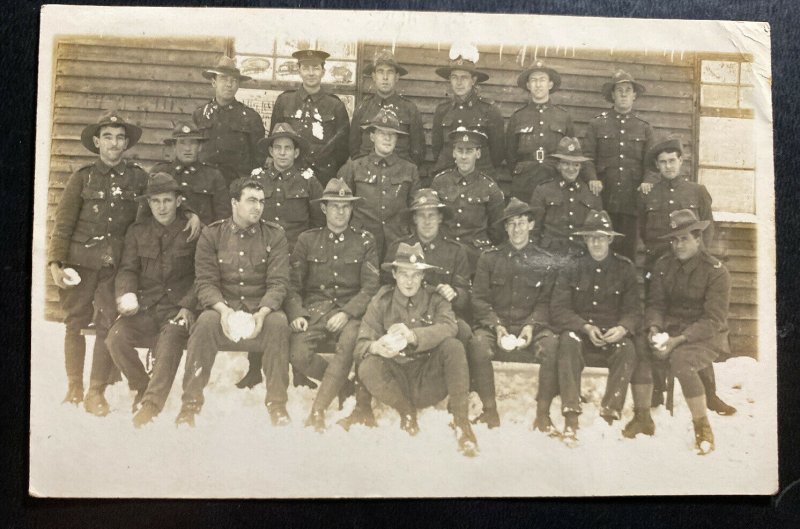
point(452, 347)
point(276, 322)
point(464, 334)
point(478, 351)
point(370, 370)
point(680, 362)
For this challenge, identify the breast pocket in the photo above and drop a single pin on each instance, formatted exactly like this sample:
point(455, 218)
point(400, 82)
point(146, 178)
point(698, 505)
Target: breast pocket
point(533, 288)
point(297, 205)
point(319, 269)
point(636, 145)
point(607, 145)
point(148, 256)
point(183, 258)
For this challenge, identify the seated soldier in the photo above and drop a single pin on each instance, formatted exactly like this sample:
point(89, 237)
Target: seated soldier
point(242, 277)
point(334, 274)
point(202, 186)
point(154, 296)
point(686, 316)
point(597, 307)
point(410, 357)
point(562, 204)
point(511, 296)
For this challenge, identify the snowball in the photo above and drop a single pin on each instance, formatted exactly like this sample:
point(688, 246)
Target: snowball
point(395, 342)
point(509, 342)
point(72, 277)
point(660, 339)
point(128, 302)
point(241, 325)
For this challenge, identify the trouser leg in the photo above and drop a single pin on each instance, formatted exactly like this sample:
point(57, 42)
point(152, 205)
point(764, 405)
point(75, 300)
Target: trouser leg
point(76, 303)
point(103, 368)
point(385, 380)
point(685, 362)
point(274, 342)
point(447, 363)
point(545, 347)
point(303, 356)
point(168, 353)
point(627, 225)
point(570, 367)
point(620, 368)
point(121, 340)
point(201, 352)
point(479, 359)
point(709, 381)
point(339, 367)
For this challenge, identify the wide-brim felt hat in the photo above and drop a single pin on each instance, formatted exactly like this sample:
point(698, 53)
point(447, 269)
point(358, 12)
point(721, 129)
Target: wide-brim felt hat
point(671, 143)
point(386, 120)
point(113, 119)
point(225, 66)
point(569, 149)
point(336, 189)
point(159, 183)
point(185, 129)
point(429, 199)
point(384, 57)
point(463, 65)
point(621, 76)
point(408, 256)
point(597, 222)
point(515, 208)
point(684, 221)
point(539, 66)
point(283, 130)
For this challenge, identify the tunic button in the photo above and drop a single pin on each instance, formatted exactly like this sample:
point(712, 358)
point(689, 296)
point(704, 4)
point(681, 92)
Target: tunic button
point(241, 269)
point(220, 260)
point(622, 143)
point(112, 204)
point(241, 253)
point(460, 210)
point(671, 201)
point(458, 224)
point(241, 283)
point(241, 297)
point(597, 270)
point(596, 287)
point(278, 204)
point(335, 257)
point(622, 131)
point(169, 290)
point(541, 134)
point(622, 156)
point(571, 199)
point(413, 320)
point(541, 123)
point(621, 168)
point(109, 218)
point(594, 303)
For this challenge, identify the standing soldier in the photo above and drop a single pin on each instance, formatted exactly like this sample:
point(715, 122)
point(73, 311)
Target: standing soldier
point(232, 128)
point(385, 182)
point(466, 109)
point(385, 72)
point(154, 296)
point(535, 130)
point(202, 186)
point(334, 275)
point(597, 307)
point(686, 317)
point(562, 205)
point(472, 195)
point(410, 357)
point(671, 193)
point(617, 141)
point(317, 115)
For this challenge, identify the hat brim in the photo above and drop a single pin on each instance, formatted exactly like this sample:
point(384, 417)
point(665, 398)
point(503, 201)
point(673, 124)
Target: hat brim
point(133, 133)
point(609, 87)
point(530, 212)
point(213, 72)
point(299, 141)
point(413, 266)
point(370, 68)
point(145, 196)
point(336, 199)
point(555, 77)
point(571, 158)
point(444, 73)
point(198, 137)
point(698, 225)
point(613, 233)
point(368, 126)
point(447, 211)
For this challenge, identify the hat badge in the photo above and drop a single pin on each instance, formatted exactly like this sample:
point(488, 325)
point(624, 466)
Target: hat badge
point(466, 137)
point(539, 64)
point(571, 147)
point(422, 200)
point(185, 129)
point(341, 192)
point(385, 119)
point(459, 61)
point(412, 259)
point(113, 118)
point(673, 225)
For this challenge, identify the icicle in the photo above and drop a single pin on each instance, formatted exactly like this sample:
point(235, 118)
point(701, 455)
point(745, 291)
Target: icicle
point(545, 50)
point(522, 59)
point(672, 56)
point(394, 43)
point(573, 52)
point(558, 48)
point(682, 55)
point(501, 53)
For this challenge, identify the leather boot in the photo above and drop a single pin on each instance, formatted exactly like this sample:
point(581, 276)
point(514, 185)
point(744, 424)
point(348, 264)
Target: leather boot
point(253, 376)
point(96, 403)
point(187, 414)
point(609, 415)
point(703, 436)
point(316, 420)
point(408, 423)
point(489, 417)
point(74, 393)
point(713, 402)
point(278, 414)
point(361, 414)
point(467, 443)
point(348, 389)
point(571, 425)
point(642, 422)
point(146, 414)
point(299, 379)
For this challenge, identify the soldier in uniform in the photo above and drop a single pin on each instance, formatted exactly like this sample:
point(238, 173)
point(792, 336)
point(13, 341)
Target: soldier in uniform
point(156, 273)
point(617, 141)
point(232, 128)
point(385, 72)
point(472, 195)
point(596, 305)
point(93, 213)
point(385, 182)
point(535, 130)
point(334, 274)
point(241, 265)
point(688, 299)
point(203, 187)
point(563, 204)
point(410, 357)
point(466, 109)
point(317, 115)
point(510, 300)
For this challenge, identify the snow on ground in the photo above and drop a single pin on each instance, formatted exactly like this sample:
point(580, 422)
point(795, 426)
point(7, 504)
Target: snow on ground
point(235, 452)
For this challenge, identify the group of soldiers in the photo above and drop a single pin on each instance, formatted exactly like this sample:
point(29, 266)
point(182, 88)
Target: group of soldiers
point(323, 236)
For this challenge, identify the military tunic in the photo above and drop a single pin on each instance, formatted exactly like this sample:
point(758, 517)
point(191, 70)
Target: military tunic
point(475, 113)
point(322, 120)
point(560, 209)
point(203, 186)
point(410, 146)
point(233, 132)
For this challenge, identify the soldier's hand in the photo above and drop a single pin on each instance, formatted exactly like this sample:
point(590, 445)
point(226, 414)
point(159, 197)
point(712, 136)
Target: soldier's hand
point(187, 316)
point(193, 226)
point(58, 275)
point(594, 334)
point(595, 186)
point(615, 334)
point(446, 291)
point(337, 322)
point(128, 304)
point(672, 343)
point(652, 332)
point(646, 187)
point(500, 331)
point(404, 331)
point(381, 349)
point(223, 321)
point(299, 324)
point(526, 334)
point(259, 316)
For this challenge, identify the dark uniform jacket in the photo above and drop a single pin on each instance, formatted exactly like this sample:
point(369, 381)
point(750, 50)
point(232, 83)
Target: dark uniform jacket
point(322, 120)
point(605, 294)
point(94, 212)
point(157, 265)
point(233, 132)
point(475, 113)
point(452, 260)
point(533, 134)
point(203, 186)
point(512, 287)
point(410, 147)
point(561, 208)
point(332, 271)
point(476, 202)
point(246, 268)
point(427, 313)
point(617, 144)
point(692, 299)
point(287, 199)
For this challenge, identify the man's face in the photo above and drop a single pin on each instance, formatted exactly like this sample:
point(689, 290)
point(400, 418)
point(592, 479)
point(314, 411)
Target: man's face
point(337, 214)
point(427, 221)
point(283, 153)
point(685, 246)
point(466, 156)
point(187, 150)
point(384, 141)
point(623, 95)
point(519, 230)
point(164, 207)
point(462, 82)
point(408, 280)
point(385, 79)
point(539, 84)
point(247, 210)
point(598, 244)
point(225, 87)
point(311, 73)
point(569, 170)
point(111, 142)
point(669, 164)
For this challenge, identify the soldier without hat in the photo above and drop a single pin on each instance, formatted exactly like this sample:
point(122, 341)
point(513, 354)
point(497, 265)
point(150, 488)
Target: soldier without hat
point(535, 130)
point(232, 128)
point(385, 72)
point(317, 115)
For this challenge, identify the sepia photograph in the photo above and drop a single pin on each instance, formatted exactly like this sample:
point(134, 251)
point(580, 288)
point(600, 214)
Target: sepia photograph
point(286, 253)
